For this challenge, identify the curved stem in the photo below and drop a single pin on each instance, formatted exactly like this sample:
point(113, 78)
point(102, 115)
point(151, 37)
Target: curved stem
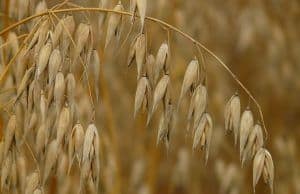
point(158, 21)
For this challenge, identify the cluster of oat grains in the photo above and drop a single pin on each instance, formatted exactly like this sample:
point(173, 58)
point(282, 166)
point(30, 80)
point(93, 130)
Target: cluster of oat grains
point(43, 115)
point(251, 140)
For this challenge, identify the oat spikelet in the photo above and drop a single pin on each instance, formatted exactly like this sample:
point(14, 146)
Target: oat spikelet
point(140, 52)
point(203, 134)
point(254, 143)
point(54, 64)
point(142, 7)
point(63, 124)
point(9, 134)
point(133, 8)
point(190, 78)
point(160, 61)
point(143, 88)
point(246, 126)
point(32, 182)
point(90, 151)
point(232, 116)
point(51, 158)
point(43, 106)
point(165, 126)
point(263, 165)
point(59, 91)
point(150, 62)
point(57, 33)
point(102, 16)
point(42, 37)
point(197, 105)
point(159, 93)
point(114, 22)
point(71, 88)
point(91, 135)
point(68, 29)
point(81, 37)
point(75, 144)
point(95, 68)
point(43, 58)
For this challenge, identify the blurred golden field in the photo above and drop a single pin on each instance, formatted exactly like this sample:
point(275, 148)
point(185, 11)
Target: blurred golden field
point(258, 40)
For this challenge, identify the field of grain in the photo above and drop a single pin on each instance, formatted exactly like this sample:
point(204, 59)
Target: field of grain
point(149, 96)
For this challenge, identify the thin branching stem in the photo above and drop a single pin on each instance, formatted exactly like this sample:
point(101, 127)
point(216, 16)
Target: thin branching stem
point(155, 20)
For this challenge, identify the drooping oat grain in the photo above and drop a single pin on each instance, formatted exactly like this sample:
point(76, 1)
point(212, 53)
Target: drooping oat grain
point(43, 58)
point(54, 64)
point(142, 92)
point(165, 126)
point(197, 105)
point(150, 62)
point(232, 116)
point(59, 91)
point(68, 29)
point(263, 165)
point(140, 51)
point(63, 124)
point(203, 134)
point(190, 78)
point(160, 61)
point(70, 88)
point(114, 22)
point(246, 126)
point(75, 144)
point(142, 7)
point(90, 157)
point(254, 143)
point(82, 34)
point(160, 93)
point(95, 71)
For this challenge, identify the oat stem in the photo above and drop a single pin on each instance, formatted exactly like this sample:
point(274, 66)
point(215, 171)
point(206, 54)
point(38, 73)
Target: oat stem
point(155, 20)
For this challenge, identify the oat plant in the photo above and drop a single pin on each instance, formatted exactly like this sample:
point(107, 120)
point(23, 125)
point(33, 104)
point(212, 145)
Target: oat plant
point(51, 61)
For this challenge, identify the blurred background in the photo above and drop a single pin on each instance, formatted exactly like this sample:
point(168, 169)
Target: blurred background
point(260, 43)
